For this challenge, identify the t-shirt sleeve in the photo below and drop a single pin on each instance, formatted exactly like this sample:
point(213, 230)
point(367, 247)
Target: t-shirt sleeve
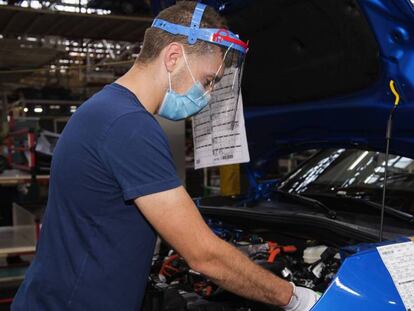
point(138, 155)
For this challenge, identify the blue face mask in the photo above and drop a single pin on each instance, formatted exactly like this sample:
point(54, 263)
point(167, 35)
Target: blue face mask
point(177, 107)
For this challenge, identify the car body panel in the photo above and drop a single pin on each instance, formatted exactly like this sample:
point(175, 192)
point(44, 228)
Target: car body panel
point(362, 283)
point(358, 119)
point(288, 214)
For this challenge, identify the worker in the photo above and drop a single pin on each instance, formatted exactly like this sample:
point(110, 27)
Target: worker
point(114, 186)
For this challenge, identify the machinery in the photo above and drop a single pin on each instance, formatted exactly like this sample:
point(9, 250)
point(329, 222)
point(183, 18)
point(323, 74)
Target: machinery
point(174, 286)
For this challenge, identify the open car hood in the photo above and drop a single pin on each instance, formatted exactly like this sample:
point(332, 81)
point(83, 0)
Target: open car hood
point(317, 76)
point(318, 73)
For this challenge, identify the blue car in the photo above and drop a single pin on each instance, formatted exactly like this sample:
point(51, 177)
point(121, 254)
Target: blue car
point(337, 76)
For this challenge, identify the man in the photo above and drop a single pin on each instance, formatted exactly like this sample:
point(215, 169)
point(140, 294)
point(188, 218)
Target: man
point(114, 185)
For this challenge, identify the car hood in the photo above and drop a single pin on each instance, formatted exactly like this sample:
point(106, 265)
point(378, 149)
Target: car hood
point(317, 75)
point(284, 213)
point(346, 104)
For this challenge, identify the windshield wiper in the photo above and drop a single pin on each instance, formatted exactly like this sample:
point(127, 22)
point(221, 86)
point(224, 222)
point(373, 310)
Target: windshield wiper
point(388, 209)
point(309, 201)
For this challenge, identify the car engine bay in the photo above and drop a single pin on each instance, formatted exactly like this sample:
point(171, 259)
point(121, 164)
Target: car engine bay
point(173, 285)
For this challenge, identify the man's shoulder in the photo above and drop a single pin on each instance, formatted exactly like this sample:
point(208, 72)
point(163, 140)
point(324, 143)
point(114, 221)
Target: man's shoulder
point(109, 110)
point(111, 105)
point(113, 101)
point(139, 122)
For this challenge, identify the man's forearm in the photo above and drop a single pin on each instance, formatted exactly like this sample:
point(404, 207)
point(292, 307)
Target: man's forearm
point(235, 272)
point(190, 236)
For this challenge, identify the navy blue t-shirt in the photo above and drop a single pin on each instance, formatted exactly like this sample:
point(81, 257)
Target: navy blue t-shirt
point(95, 247)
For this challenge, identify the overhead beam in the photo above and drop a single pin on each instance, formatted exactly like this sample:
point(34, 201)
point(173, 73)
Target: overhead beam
point(40, 22)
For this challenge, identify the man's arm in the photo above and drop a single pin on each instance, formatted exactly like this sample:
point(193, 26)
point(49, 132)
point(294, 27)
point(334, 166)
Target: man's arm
point(176, 218)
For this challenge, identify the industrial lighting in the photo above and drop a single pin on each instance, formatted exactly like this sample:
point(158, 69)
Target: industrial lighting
point(38, 109)
point(32, 4)
point(54, 107)
point(25, 109)
point(73, 109)
point(65, 5)
point(360, 158)
point(75, 2)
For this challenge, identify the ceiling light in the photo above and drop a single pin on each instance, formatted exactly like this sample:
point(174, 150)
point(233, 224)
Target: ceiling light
point(38, 109)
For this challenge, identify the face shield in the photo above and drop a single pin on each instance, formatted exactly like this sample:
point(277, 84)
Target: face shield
point(233, 49)
point(226, 88)
point(218, 128)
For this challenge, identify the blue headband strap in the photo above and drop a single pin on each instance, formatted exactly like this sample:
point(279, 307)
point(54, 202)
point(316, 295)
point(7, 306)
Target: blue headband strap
point(194, 32)
point(195, 22)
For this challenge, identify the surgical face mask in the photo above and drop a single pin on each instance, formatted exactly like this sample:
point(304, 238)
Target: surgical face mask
point(177, 107)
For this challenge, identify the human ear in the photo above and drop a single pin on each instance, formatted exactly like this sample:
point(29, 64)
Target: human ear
point(172, 53)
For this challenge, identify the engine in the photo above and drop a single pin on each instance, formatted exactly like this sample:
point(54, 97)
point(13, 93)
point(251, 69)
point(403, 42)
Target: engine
point(173, 285)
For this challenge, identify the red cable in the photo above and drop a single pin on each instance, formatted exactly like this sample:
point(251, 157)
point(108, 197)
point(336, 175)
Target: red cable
point(6, 300)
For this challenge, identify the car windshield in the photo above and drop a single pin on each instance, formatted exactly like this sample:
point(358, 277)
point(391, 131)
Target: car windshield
point(358, 174)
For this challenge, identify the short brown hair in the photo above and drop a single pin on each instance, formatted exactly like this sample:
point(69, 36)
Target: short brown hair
point(181, 13)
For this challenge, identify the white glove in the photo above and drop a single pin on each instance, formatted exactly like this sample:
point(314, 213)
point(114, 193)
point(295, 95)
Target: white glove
point(302, 299)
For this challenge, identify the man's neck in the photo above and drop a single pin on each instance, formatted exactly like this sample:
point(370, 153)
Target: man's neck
point(145, 82)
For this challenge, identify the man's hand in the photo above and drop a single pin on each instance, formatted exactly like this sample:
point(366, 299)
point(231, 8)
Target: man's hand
point(175, 217)
point(302, 299)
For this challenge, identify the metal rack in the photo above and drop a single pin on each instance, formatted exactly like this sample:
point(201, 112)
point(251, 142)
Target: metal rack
point(43, 22)
point(13, 148)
